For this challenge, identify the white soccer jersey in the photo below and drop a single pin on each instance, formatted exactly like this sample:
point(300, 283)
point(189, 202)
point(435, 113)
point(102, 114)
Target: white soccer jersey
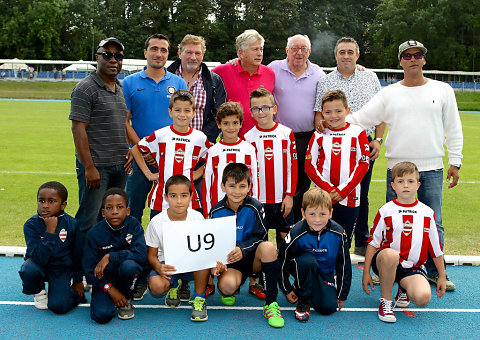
point(218, 157)
point(409, 229)
point(154, 232)
point(176, 154)
point(338, 159)
point(277, 162)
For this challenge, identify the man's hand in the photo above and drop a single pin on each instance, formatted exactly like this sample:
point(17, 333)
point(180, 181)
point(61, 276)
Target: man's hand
point(319, 123)
point(291, 297)
point(92, 177)
point(234, 61)
point(452, 173)
point(51, 223)
point(360, 67)
point(235, 255)
point(287, 205)
point(198, 173)
point(340, 304)
point(152, 177)
point(78, 287)
point(374, 149)
point(166, 271)
point(149, 159)
point(441, 286)
point(117, 297)
point(127, 167)
point(334, 195)
point(98, 272)
point(220, 268)
point(366, 281)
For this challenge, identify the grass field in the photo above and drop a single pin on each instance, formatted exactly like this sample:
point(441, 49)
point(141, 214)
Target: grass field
point(36, 146)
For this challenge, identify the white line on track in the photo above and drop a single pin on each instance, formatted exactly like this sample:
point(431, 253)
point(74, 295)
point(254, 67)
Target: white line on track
point(435, 310)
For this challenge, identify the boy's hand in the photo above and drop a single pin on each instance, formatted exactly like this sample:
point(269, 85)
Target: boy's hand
point(235, 255)
point(78, 287)
point(291, 297)
point(166, 270)
point(118, 298)
point(287, 205)
point(334, 195)
point(98, 272)
point(340, 304)
point(149, 159)
point(220, 268)
point(441, 286)
point(51, 223)
point(367, 280)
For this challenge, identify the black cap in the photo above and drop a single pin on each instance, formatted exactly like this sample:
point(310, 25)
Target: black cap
point(109, 40)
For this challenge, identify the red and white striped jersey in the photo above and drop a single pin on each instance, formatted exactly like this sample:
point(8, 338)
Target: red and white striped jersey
point(277, 162)
point(176, 154)
point(409, 229)
point(338, 159)
point(218, 157)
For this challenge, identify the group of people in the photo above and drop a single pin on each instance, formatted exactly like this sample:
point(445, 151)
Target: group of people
point(247, 140)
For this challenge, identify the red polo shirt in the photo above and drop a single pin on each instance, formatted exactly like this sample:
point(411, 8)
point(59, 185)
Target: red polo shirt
point(239, 83)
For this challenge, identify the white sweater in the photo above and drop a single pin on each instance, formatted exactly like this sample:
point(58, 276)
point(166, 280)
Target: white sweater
point(420, 120)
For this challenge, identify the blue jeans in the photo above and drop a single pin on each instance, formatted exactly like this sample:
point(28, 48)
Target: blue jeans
point(90, 200)
point(138, 187)
point(429, 193)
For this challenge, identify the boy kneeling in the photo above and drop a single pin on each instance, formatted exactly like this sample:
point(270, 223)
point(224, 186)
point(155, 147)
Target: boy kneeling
point(178, 195)
point(252, 254)
point(314, 250)
point(403, 233)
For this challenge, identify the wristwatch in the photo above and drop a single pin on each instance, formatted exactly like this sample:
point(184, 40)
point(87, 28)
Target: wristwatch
point(106, 287)
point(458, 166)
point(380, 140)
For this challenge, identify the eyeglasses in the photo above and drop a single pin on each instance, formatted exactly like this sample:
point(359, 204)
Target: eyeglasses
point(108, 56)
point(265, 109)
point(304, 49)
point(416, 55)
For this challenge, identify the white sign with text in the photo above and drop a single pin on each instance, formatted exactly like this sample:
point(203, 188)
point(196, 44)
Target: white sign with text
point(197, 245)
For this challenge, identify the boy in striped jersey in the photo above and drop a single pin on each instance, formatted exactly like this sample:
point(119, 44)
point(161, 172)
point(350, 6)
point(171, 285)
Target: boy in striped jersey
point(277, 163)
point(337, 160)
point(402, 235)
point(176, 148)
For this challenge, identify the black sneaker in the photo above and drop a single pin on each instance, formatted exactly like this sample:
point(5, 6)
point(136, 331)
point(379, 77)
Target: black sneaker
point(184, 291)
point(302, 312)
point(140, 292)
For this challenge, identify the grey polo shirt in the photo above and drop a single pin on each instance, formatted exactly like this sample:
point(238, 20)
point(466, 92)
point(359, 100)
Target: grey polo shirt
point(105, 112)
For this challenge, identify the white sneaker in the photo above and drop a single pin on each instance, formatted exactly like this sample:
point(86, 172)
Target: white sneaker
point(41, 300)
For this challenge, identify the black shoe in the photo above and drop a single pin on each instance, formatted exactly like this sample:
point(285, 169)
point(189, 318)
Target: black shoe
point(140, 292)
point(302, 312)
point(184, 291)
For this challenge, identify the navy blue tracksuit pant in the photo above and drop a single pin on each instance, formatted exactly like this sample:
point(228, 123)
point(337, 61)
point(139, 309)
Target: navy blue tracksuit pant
point(61, 297)
point(122, 277)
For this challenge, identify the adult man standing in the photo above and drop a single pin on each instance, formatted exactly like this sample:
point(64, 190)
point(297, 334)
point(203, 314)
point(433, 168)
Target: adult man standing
point(147, 96)
point(247, 75)
point(206, 86)
point(421, 115)
point(98, 114)
point(296, 81)
point(359, 87)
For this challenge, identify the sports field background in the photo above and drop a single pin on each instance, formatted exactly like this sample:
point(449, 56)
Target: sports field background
point(36, 146)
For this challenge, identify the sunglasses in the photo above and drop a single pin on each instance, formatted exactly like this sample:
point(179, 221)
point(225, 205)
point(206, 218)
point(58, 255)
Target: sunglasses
point(416, 55)
point(108, 56)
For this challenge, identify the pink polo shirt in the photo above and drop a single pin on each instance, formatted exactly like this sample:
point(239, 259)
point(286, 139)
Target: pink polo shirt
point(240, 83)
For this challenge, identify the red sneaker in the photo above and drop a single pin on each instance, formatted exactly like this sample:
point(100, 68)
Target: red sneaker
point(385, 311)
point(401, 300)
point(257, 290)
point(210, 290)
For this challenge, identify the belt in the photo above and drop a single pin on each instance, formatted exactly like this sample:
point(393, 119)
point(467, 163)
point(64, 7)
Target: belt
point(303, 134)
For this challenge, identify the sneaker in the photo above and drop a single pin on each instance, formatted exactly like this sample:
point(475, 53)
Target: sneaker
point(385, 311)
point(140, 292)
point(401, 300)
point(375, 279)
point(199, 309)
point(184, 291)
point(228, 300)
point(257, 290)
point(302, 312)
point(210, 290)
point(41, 300)
point(360, 251)
point(126, 312)
point(450, 286)
point(173, 299)
point(273, 315)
